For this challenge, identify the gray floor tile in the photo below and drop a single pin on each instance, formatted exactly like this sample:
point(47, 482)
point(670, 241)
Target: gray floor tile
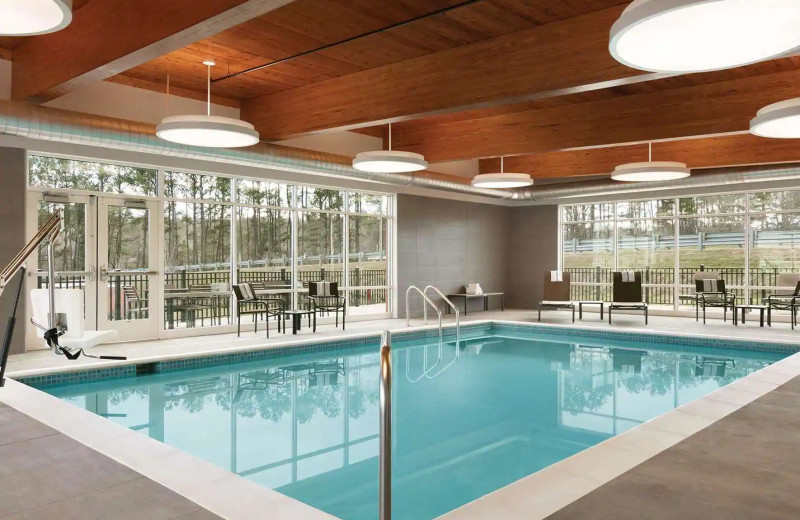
point(743, 467)
point(16, 427)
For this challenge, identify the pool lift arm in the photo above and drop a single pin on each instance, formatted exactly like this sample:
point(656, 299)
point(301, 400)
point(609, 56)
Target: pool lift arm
point(47, 233)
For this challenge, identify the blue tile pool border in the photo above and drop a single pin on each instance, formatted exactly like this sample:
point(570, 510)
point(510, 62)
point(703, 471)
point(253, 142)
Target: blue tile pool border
point(368, 343)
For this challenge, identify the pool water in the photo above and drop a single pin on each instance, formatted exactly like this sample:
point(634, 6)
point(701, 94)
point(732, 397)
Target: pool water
point(493, 410)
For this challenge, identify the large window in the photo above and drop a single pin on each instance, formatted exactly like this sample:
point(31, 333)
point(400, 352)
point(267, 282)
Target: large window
point(748, 238)
point(222, 230)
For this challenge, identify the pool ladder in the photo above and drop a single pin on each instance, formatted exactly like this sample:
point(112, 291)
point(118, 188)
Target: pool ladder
point(428, 301)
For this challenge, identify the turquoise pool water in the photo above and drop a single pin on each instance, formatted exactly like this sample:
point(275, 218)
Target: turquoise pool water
point(497, 408)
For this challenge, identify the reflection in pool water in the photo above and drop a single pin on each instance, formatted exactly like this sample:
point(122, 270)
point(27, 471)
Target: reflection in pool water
point(500, 410)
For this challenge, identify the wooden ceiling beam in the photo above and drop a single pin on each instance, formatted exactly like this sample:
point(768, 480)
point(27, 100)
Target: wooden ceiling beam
point(707, 152)
point(110, 36)
point(696, 111)
point(550, 60)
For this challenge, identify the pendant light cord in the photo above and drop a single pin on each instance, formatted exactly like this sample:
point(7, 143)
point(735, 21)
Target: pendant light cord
point(390, 137)
point(501, 165)
point(208, 109)
point(650, 151)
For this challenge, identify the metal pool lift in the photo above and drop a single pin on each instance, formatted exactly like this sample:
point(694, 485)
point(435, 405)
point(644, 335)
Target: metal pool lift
point(46, 234)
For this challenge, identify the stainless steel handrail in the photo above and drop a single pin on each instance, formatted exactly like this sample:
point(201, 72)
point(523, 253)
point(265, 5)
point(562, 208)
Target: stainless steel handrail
point(455, 310)
point(385, 460)
point(424, 308)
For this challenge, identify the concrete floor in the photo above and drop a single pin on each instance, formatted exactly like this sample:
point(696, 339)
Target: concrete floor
point(46, 475)
point(745, 466)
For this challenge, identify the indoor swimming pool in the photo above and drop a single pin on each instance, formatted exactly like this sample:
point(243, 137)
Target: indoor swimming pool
point(468, 418)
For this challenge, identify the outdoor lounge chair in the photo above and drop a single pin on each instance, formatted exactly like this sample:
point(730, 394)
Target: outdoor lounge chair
point(712, 293)
point(324, 297)
point(698, 275)
point(784, 301)
point(627, 293)
point(248, 303)
point(556, 294)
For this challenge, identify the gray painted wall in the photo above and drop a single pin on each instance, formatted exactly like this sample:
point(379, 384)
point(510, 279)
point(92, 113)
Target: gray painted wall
point(449, 243)
point(533, 251)
point(12, 235)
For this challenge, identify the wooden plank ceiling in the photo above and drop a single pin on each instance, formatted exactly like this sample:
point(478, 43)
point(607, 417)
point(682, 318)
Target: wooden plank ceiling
point(528, 79)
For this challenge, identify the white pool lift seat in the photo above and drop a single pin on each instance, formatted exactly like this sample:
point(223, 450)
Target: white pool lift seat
point(69, 318)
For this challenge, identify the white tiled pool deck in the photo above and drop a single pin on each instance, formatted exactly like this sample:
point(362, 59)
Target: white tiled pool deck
point(532, 497)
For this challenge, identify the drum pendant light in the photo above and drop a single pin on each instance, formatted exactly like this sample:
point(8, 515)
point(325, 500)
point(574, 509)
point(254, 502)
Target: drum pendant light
point(778, 121)
point(650, 171)
point(32, 17)
point(502, 180)
point(389, 161)
point(685, 36)
point(207, 130)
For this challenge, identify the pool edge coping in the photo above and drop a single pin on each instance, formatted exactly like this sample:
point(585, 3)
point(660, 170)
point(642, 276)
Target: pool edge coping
point(87, 365)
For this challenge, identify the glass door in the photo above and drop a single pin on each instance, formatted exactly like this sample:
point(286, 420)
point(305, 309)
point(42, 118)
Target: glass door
point(127, 255)
point(74, 252)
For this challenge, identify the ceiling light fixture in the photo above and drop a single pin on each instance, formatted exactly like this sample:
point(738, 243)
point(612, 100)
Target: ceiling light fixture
point(703, 35)
point(31, 17)
point(207, 130)
point(502, 180)
point(651, 171)
point(778, 121)
point(389, 161)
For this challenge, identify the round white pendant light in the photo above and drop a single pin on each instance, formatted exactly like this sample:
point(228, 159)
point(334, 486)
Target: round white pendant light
point(207, 130)
point(389, 161)
point(779, 120)
point(702, 35)
point(32, 17)
point(502, 179)
point(651, 171)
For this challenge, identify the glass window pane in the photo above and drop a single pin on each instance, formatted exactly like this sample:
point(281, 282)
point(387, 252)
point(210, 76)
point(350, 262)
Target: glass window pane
point(70, 246)
point(367, 251)
point(581, 212)
point(320, 238)
point(774, 247)
point(368, 203)
point(712, 204)
point(128, 233)
point(197, 260)
point(264, 243)
point(320, 198)
point(589, 256)
point(646, 208)
point(193, 186)
point(649, 246)
point(717, 244)
point(52, 172)
point(264, 193)
point(775, 200)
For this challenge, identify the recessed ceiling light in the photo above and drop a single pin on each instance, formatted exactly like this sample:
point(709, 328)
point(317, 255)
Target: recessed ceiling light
point(31, 17)
point(207, 130)
point(389, 161)
point(651, 171)
point(702, 35)
point(779, 120)
point(502, 180)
